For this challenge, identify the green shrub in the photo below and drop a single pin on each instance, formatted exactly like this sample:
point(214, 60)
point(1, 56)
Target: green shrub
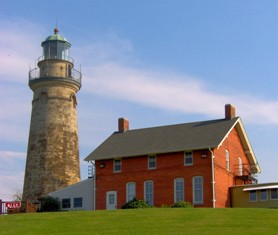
point(49, 203)
point(182, 204)
point(136, 204)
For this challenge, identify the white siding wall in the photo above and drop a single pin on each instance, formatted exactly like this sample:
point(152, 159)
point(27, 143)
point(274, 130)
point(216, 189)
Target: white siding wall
point(83, 189)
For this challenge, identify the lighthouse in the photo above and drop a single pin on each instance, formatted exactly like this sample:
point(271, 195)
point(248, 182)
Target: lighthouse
point(52, 159)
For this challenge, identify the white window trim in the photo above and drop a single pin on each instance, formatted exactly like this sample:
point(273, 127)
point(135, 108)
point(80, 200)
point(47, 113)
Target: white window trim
point(114, 165)
point(186, 164)
point(193, 188)
point(127, 192)
point(151, 168)
point(149, 181)
point(175, 189)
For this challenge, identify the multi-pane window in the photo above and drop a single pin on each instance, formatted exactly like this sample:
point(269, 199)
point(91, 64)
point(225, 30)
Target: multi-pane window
point(117, 165)
point(179, 190)
point(151, 162)
point(263, 195)
point(253, 196)
point(274, 194)
point(130, 191)
point(198, 194)
point(77, 202)
point(227, 160)
point(148, 192)
point(66, 203)
point(188, 159)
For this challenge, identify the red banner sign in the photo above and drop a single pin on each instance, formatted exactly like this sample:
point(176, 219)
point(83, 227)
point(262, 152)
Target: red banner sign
point(13, 205)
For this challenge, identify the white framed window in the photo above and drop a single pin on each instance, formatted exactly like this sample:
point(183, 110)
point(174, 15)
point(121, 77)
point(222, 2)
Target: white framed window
point(240, 166)
point(253, 196)
point(227, 155)
point(77, 202)
point(148, 192)
point(152, 162)
point(179, 190)
point(117, 165)
point(274, 194)
point(263, 195)
point(198, 194)
point(188, 158)
point(130, 191)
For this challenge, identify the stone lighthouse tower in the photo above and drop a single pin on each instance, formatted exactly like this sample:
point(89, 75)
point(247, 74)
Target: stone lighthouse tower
point(53, 153)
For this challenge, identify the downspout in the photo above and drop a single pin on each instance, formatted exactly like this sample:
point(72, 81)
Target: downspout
point(213, 178)
point(94, 175)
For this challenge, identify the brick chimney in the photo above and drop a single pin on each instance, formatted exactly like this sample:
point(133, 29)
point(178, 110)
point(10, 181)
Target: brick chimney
point(230, 111)
point(123, 125)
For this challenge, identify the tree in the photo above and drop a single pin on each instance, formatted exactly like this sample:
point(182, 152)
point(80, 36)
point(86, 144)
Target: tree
point(17, 196)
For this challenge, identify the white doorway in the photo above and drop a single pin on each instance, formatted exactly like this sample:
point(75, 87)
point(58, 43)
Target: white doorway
point(111, 200)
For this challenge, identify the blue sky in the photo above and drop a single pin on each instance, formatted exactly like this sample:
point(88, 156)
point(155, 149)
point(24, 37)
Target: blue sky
point(155, 62)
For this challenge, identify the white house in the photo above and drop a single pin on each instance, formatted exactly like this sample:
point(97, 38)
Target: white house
point(79, 196)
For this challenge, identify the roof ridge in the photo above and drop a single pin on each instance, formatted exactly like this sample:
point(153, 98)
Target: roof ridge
point(177, 124)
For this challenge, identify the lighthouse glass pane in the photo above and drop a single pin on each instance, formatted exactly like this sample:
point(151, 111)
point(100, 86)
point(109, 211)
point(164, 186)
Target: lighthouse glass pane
point(56, 50)
point(62, 51)
point(50, 50)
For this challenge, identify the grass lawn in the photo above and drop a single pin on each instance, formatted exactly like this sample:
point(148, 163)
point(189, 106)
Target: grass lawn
point(144, 221)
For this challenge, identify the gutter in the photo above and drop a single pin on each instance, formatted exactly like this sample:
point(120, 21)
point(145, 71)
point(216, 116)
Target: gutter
point(213, 178)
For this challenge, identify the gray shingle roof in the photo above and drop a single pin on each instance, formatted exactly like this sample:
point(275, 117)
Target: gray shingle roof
point(164, 139)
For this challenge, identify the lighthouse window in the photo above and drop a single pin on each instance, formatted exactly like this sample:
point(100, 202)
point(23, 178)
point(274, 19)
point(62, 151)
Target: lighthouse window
point(50, 50)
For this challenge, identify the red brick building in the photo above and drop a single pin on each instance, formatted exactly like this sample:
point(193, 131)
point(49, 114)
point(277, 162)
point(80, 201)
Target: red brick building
point(196, 162)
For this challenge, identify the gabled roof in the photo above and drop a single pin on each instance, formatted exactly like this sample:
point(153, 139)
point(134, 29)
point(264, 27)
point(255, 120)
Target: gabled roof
point(172, 138)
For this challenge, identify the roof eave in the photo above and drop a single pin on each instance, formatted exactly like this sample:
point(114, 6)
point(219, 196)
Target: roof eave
point(255, 168)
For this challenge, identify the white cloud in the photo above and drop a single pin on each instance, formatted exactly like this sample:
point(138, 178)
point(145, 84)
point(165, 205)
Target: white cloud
point(19, 49)
point(170, 91)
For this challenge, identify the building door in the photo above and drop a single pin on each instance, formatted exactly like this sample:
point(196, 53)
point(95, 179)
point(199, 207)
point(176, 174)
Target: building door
point(111, 200)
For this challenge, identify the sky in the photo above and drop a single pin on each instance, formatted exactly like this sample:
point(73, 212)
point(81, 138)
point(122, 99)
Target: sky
point(154, 62)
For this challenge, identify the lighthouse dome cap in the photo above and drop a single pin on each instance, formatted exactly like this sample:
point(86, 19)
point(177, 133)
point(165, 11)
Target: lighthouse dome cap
point(56, 37)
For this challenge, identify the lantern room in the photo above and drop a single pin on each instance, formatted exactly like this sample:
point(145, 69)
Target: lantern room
point(56, 47)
